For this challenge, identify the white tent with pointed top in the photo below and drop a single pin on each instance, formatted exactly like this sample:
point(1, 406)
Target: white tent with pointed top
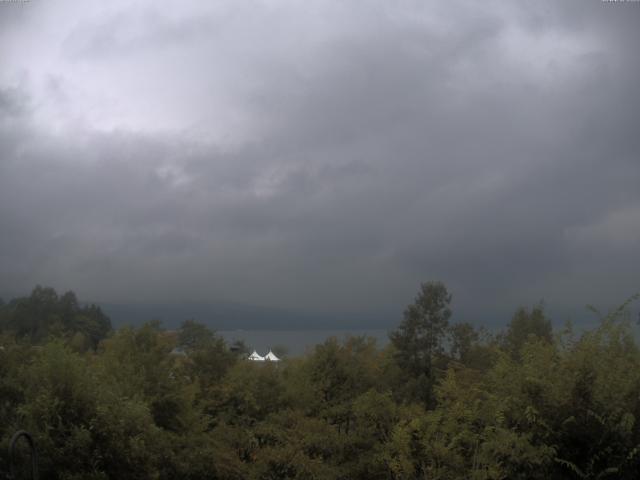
point(256, 357)
point(271, 357)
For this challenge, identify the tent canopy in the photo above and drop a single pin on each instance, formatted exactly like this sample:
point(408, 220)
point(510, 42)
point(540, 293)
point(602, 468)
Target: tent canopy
point(269, 357)
point(256, 357)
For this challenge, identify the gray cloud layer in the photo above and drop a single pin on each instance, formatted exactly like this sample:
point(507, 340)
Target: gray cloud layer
point(322, 155)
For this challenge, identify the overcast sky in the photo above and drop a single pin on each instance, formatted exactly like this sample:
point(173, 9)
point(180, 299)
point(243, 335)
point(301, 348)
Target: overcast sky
point(322, 155)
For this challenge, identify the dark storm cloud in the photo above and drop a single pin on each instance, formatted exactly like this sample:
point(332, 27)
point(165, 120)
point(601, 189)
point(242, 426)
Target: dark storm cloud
point(326, 157)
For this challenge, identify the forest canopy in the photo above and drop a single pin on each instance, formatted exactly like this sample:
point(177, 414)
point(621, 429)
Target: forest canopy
point(442, 400)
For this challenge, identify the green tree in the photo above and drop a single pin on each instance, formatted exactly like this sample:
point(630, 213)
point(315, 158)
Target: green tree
point(524, 325)
point(208, 356)
point(140, 364)
point(43, 314)
point(84, 427)
point(239, 348)
point(419, 338)
point(463, 338)
point(337, 373)
point(193, 335)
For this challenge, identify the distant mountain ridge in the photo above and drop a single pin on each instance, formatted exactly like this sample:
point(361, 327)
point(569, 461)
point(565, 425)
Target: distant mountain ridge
point(231, 316)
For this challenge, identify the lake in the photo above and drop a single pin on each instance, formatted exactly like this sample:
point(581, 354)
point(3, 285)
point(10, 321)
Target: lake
point(297, 342)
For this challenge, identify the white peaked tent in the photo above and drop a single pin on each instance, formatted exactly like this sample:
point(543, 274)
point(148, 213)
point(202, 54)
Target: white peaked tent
point(271, 357)
point(256, 357)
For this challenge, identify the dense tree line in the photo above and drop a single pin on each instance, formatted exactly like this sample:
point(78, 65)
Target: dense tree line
point(45, 314)
point(441, 401)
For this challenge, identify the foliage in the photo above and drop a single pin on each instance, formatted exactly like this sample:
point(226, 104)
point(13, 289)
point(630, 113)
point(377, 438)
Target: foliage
point(524, 325)
point(146, 403)
point(44, 314)
point(419, 338)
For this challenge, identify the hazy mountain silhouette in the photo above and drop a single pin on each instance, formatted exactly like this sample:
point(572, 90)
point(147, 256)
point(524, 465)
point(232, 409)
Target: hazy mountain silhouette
point(231, 316)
